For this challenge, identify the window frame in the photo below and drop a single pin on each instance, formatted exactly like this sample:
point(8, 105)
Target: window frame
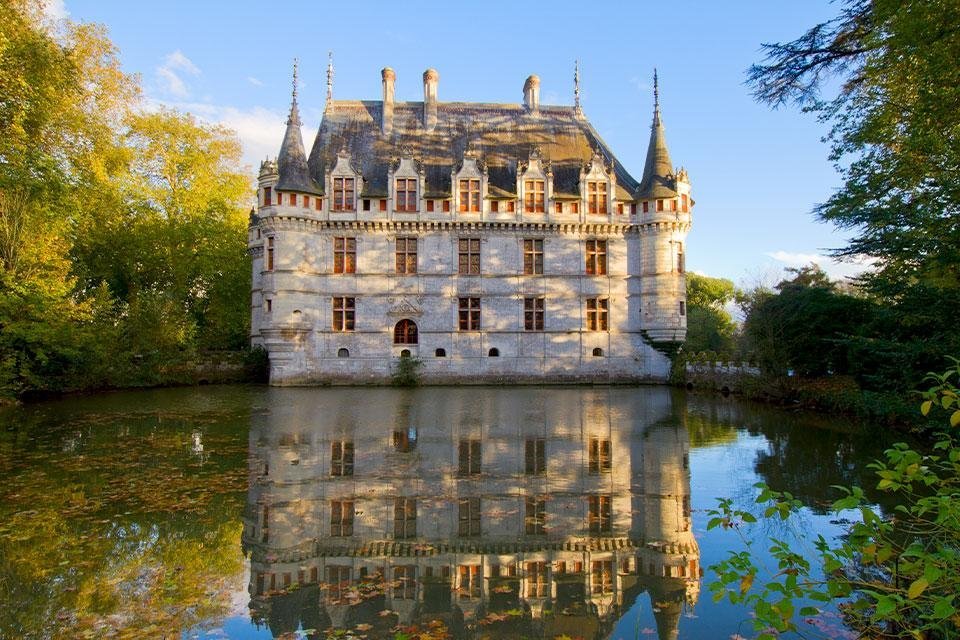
point(534, 195)
point(599, 514)
point(469, 457)
point(535, 512)
point(597, 197)
point(468, 195)
point(341, 518)
point(533, 313)
point(344, 313)
point(343, 185)
point(404, 518)
point(599, 455)
point(595, 257)
point(468, 314)
point(598, 314)
point(468, 256)
point(341, 458)
point(344, 254)
point(468, 517)
point(535, 457)
point(405, 197)
point(532, 256)
point(405, 256)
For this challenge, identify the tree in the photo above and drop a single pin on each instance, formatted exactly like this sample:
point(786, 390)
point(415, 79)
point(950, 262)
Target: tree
point(805, 327)
point(896, 140)
point(709, 325)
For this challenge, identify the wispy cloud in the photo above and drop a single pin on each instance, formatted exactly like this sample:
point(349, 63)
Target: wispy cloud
point(170, 74)
point(255, 81)
point(834, 268)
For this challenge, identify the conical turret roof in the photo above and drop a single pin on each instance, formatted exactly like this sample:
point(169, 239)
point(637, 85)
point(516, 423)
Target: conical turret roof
point(292, 161)
point(655, 182)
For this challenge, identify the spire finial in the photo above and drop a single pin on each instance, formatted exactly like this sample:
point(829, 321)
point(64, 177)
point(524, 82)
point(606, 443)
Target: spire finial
point(576, 87)
point(656, 95)
point(329, 77)
point(296, 63)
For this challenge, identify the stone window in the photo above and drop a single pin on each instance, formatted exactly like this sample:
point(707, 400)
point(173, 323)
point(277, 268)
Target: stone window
point(659, 205)
point(471, 581)
point(344, 255)
point(493, 353)
point(597, 351)
point(469, 314)
point(533, 196)
point(343, 194)
point(597, 309)
point(440, 353)
point(681, 262)
point(383, 205)
point(598, 516)
point(596, 264)
point(269, 305)
point(338, 582)
point(406, 255)
point(343, 313)
point(267, 197)
point(366, 204)
point(536, 509)
point(469, 195)
point(685, 202)
point(535, 460)
point(533, 314)
point(646, 207)
point(293, 199)
point(597, 197)
point(532, 256)
point(511, 206)
point(537, 580)
point(633, 208)
point(683, 308)
point(601, 576)
point(341, 518)
point(270, 254)
point(406, 194)
point(558, 207)
point(405, 582)
point(446, 206)
point(343, 352)
point(469, 458)
point(673, 204)
point(341, 458)
point(468, 250)
point(404, 518)
point(405, 332)
point(574, 207)
point(599, 455)
point(494, 206)
point(306, 202)
point(430, 206)
point(468, 517)
point(318, 203)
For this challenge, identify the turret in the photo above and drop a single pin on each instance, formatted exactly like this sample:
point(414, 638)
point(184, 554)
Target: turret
point(294, 176)
point(665, 206)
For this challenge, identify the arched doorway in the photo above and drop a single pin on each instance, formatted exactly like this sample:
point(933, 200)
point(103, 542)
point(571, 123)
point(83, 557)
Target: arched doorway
point(405, 332)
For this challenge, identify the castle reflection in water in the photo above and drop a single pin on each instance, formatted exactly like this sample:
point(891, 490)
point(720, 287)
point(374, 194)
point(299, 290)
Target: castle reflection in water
point(529, 512)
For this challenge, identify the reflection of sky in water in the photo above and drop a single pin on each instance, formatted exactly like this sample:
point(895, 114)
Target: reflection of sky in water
point(182, 447)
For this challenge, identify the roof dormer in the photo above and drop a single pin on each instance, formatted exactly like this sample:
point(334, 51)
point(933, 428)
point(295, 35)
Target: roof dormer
point(469, 183)
point(344, 183)
point(406, 183)
point(534, 182)
point(597, 183)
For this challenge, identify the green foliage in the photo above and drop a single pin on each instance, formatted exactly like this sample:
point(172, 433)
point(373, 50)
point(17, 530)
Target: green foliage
point(894, 138)
point(406, 372)
point(122, 233)
point(709, 325)
point(896, 574)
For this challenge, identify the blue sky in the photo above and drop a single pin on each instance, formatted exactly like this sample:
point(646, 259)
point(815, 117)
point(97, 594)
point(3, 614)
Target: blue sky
point(756, 173)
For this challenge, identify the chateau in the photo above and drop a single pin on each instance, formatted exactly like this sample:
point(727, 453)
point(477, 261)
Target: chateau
point(488, 242)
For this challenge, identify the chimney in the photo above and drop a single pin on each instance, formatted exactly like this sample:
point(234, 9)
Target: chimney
point(430, 80)
point(531, 94)
point(389, 79)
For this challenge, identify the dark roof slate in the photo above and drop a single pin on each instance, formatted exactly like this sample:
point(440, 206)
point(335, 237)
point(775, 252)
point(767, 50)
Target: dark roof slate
point(500, 134)
point(294, 175)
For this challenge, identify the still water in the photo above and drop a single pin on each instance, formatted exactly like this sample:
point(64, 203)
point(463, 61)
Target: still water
point(250, 512)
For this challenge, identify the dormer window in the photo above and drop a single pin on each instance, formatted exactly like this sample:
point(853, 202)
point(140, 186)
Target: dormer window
point(266, 197)
point(343, 190)
point(406, 194)
point(293, 199)
point(470, 195)
point(597, 197)
point(533, 200)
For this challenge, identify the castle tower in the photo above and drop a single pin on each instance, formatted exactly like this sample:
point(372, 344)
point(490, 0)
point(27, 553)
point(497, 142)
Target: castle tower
point(666, 206)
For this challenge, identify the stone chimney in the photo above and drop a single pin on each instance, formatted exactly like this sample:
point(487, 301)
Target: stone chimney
point(531, 94)
point(430, 81)
point(389, 79)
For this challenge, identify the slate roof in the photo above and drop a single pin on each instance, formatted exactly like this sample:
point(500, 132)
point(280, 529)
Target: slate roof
point(292, 160)
point(655, 182)
point(501, 135)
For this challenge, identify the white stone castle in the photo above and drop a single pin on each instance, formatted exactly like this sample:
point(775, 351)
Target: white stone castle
point(487, 242)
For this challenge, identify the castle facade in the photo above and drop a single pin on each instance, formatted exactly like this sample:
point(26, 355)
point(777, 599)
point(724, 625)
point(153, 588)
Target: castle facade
point(485, 242)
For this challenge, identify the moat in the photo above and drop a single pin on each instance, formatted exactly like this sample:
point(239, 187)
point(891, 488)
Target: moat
point(253, 512)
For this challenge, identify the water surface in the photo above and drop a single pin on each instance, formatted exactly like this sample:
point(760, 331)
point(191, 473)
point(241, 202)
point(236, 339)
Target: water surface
point(250, 512)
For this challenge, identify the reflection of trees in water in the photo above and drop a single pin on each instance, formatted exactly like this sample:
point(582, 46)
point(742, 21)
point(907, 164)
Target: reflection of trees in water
point(110, 523)
point(806, 454)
